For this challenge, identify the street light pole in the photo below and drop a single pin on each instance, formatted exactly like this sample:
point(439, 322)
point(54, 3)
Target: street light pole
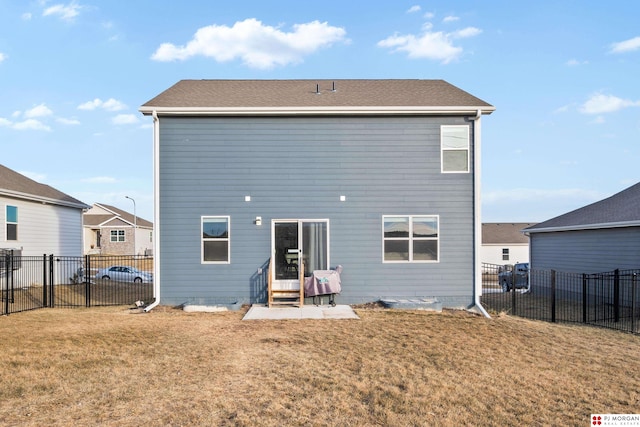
point(135, 223)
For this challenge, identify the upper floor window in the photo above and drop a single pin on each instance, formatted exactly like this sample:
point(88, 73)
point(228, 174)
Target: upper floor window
point(117, 235)
point(505, 254)
point(215, 239)
point(455, 148)
point(12, 222)
point(410, 238)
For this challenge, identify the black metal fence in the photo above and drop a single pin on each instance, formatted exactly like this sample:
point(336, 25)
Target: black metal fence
point(610, 299)
point(32, 282)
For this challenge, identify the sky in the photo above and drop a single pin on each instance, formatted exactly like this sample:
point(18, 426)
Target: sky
point(563, 76)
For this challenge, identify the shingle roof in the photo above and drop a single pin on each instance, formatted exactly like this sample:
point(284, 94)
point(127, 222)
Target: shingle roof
point(502, 233)
point(16, 185)
point(621, 209)
point(221, 94)
point(97, 219)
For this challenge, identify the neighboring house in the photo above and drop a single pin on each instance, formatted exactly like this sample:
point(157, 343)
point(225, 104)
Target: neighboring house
point(600, 237)
point(38, 219)
point(379, 176)
point(504, 243)
point(110, 231)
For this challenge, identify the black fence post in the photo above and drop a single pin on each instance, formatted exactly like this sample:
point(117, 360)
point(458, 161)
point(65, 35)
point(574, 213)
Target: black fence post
point(52, 301)
point(11, 275)
point(616, 295)
point(45, 302)
point(584, 298)
point(87, 282)
point(513, 290)
point(553, 296)
point(634, 282)
point(5, 291)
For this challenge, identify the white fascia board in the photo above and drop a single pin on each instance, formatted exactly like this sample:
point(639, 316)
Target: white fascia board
point(274, 111)
point(43, 200)
point(621, 224)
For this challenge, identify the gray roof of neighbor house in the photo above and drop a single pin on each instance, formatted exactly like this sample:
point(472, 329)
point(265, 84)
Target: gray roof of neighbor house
point(16, 185)
point(314, 96)
point(505, 233)
point(620, 210)
point(90, 220)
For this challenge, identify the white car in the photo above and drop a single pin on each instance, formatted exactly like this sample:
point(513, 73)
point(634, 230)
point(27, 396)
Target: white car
point(124, 273)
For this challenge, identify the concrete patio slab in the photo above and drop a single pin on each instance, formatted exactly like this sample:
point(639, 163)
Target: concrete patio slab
point(262, 312)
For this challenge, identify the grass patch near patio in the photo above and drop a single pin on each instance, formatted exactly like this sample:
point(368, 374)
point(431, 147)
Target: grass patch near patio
point(109, 366)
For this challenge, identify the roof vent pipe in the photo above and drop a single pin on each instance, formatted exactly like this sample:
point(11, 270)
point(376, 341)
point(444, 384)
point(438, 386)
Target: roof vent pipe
point(317, 89)
point(333, 87)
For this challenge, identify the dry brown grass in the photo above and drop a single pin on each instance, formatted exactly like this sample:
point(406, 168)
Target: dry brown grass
point(109, 366)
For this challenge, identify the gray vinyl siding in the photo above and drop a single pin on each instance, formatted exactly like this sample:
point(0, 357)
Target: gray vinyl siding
point(297, 168)
point(586, 251)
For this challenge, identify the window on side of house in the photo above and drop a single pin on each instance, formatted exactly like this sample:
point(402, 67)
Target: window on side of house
point(215, 239)
point(12, 222)
point(117, 235)
point(410, 238)
point(455, 148)
point(505, 254)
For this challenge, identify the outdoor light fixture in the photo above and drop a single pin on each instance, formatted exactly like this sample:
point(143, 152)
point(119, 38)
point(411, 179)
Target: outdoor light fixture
point(258, 220)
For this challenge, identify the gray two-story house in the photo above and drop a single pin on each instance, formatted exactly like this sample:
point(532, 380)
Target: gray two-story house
point(257, 179)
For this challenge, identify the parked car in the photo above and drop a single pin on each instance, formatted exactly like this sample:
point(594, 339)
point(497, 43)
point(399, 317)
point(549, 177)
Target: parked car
point(514, 277)
point(124, 273)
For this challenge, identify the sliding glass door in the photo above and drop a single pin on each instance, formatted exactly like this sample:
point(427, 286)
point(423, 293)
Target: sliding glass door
point(295, 243)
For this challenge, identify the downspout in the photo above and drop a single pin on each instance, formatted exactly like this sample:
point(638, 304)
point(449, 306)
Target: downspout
point(156, 212)
point(477, 217)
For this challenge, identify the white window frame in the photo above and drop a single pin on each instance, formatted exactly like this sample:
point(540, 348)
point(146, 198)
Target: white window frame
point(410, 239)
point(7, 223)
point(443, 149)
point(119, 232)
point(216, 239)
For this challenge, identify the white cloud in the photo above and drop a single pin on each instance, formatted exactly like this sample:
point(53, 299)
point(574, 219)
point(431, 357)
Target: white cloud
point(414, 9)
point(430, 45)
point(66, 121)
point(600, 103)
point(38, 111)
point(125, 119)
point(109, 105)
point(257, 45)
point(626, 45)
point(466, 32)
point(26, 16)
point(450, 18)
point(574, 62)
point(2, 56)
point(30, 124)
point(65, 12)
point(429, 15)
point(100, 180)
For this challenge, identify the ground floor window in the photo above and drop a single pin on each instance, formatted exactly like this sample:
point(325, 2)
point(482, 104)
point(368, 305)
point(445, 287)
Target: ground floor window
point(410, 238)
point(505, 254)
point(215, 239)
